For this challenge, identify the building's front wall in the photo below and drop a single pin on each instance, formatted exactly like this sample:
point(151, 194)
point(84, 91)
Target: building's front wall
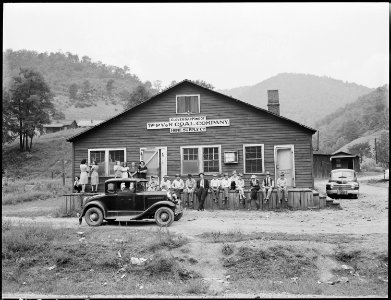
point(247, 126)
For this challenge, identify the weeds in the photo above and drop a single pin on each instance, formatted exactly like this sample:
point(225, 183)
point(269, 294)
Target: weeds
point(227, 249)
point(165, 239)
point(272, 263)
point(196, 286)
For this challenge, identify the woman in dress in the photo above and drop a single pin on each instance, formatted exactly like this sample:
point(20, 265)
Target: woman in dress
point(118, 170)
point(125, 170)
point(94, 176)
point(83, 175)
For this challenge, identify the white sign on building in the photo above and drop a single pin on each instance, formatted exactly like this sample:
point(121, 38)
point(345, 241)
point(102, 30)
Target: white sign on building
point(188, 124)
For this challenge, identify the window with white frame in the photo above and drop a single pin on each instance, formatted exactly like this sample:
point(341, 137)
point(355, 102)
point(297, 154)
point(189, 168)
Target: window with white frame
point(253, 158)
point(196, 159)
point(106, 159)
point(188, 104)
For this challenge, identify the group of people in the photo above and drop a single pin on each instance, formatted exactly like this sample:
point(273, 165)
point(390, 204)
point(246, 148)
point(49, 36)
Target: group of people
point(121, 170)
point(80, 183)
point(200, 187)
point(223, 184)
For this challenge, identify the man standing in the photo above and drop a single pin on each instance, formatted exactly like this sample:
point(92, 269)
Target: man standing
point(178, 185)
point(190, 186)
point(215, 188)
point(267, 187)
point(202, 191)
point(225, 186)
point(254, 187)
point(282, 186)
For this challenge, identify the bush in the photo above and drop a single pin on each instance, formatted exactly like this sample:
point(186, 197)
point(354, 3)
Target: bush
point(227, 249)
point(368, 164)
point(196, 286)
point(167, 240)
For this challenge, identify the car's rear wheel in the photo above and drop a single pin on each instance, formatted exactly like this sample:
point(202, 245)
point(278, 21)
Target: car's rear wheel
point(178, 216)
point(94, 216)
point(355, 196)
point(164, 216)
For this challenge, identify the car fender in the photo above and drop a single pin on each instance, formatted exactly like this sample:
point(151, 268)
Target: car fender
point(154, 206)
point(94, 203)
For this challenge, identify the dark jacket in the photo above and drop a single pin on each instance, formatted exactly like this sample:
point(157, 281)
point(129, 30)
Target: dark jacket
point(206, 183)
point(255, 186)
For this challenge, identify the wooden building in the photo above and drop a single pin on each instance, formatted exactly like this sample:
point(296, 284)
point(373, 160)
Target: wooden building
point(188, 128)
point(58, 126)
point(345, 160)
point(321, 165)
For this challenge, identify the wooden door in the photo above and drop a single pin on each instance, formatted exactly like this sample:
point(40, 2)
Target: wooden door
point(284, 160)
point(156, 161)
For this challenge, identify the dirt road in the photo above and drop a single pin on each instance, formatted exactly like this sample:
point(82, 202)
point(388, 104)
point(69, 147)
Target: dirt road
point(366, 215)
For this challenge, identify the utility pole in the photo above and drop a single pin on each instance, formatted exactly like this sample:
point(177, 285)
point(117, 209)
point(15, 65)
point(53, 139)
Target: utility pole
point(375, 151)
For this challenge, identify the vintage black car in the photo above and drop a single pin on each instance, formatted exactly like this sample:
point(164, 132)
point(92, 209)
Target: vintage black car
point(128, 198)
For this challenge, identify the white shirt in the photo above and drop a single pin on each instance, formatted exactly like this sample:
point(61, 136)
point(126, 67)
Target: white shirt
point(240, 183)
point(226, 183)
point(190, 184)
point(165, 185)
point(215, 183)
point(178, 184)
point(282, 182)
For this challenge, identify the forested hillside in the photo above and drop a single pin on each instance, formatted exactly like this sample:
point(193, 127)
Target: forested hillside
point(77, 82)
point(304, 98)
point(368, 115)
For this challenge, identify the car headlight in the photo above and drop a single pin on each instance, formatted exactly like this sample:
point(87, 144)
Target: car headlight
point(169, 196)
point(331, 185)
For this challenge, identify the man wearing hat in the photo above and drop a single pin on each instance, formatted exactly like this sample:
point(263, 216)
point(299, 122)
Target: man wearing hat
point(202, 191)
point(254, 188)
point(267, 187)
point(240, 189)
point(190, 186)
point(215, 188)
point(282, 186)
point(225, 185)
point(178, 185)
point(165, 185)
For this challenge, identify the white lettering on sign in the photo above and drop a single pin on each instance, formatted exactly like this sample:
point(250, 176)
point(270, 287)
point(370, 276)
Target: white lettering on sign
point(187, 129)
point(188, 122)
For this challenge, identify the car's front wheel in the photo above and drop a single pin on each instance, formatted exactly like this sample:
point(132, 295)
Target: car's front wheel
point(94, 216)
point(164, 216)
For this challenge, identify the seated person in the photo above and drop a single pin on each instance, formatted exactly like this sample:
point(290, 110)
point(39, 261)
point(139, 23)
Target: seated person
point(127, 187)
point(77, 185)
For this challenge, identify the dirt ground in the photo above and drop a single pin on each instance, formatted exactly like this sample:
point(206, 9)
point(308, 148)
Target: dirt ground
point(365, 218)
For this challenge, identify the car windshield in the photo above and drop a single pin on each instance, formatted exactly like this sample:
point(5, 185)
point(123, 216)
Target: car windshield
point(141, 186)
point(342, 175)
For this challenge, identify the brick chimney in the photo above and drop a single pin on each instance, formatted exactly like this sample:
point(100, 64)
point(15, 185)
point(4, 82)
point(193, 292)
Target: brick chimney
point(273, 103)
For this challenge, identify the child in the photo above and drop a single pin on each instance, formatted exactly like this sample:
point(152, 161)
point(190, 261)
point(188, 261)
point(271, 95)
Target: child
point(240, 188)
point(77, 185)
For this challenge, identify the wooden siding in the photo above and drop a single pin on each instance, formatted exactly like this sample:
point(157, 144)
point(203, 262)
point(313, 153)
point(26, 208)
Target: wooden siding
point(247, 126)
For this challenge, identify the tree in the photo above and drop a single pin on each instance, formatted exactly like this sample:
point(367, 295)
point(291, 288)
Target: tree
point(361, 149)
point(157, 85)
point(73, 89)
point(139, 95)
point(351, 130)
point(383, 149)
point(30, 105)
point(86, 92)
point(204, 84)
point(110, 87)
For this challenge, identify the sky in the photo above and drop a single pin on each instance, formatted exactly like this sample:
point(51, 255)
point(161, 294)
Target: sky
point(226, 44)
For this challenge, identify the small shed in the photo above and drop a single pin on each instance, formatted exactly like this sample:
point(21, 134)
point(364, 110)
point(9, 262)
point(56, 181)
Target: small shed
point(58, 126)
point(345, 160)
point(321, 167)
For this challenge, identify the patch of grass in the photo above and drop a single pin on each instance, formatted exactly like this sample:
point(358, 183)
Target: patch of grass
point(238, 236)
point(24, 190)
point(272, 263)
point(197, 287)
point(167, 240)
point(227, 249)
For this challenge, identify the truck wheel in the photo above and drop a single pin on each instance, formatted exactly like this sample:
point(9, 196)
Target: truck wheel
point(94, 216)
point(164, 216)
point(178, 216)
